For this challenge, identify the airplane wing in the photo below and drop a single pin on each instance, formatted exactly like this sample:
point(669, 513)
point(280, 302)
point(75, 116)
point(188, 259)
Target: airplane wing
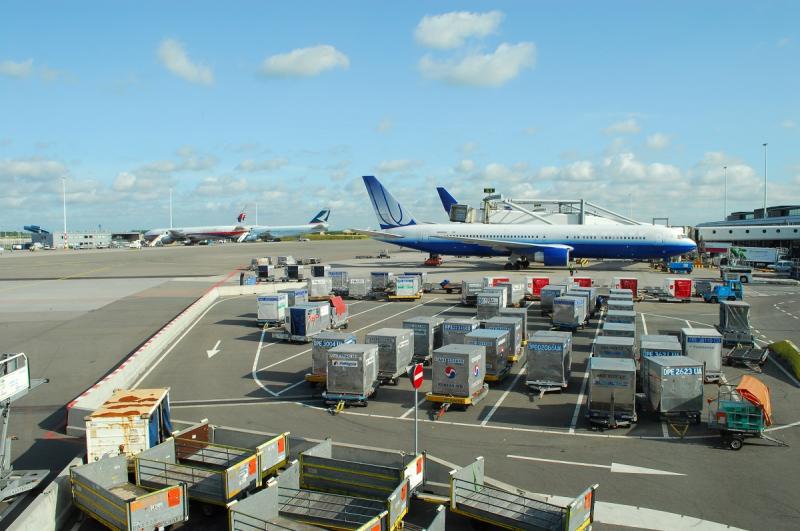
point(505, 245)
point(377, 233)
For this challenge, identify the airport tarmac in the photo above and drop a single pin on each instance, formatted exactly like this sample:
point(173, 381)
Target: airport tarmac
point(543, 445)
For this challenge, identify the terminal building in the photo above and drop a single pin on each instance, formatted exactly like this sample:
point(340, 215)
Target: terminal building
point(779, 229)
point(79, 240)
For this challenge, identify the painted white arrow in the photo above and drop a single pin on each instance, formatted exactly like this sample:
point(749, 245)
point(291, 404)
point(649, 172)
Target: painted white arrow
point(214, 351)
point(617, 468)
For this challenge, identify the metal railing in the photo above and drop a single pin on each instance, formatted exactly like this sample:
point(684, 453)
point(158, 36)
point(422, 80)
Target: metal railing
point(508, 505)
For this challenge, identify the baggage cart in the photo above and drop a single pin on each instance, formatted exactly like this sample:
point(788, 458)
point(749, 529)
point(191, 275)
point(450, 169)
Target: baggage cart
point(130, 421)
point(469, 292)
point(496, 343)
point(319, 288)
point(472, 497)
point(549, 363)
point(358, 288)
point(213, 474)
point(455, 328)
point(339, 313)
point(513, 326)
point(734, 323)
point(742, 412)
point(320, 345)
point(395, 351)
point(751, 357)
point(271, 309)
point(261, 512)
point(295, 295)
point(548, 294)
point(534, 285)
point(654, 345)
point(675, 387)
point(102, 491)
point(569, 313)
point(612, 392)
point(620, 316)
point(457, 375)
point(427, 336)
point(705, 346)
point(352, 375)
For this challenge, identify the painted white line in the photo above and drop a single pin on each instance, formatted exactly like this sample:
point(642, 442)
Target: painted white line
point(259, 403)
point(584, 382)
point(644, 323)
point(290, 387)
point(678, 319)
point(777, 428)
point(688, 323)
point(664, 429)
point(254, 370)
point(617, 468)
point(214, 350)
point(502, 399)
point(411, 409)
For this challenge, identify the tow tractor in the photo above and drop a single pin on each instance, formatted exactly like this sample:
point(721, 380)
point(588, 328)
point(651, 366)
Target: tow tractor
point(433, 260)
point(731, 290)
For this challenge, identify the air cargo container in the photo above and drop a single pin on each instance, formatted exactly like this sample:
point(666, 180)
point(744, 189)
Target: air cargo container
point(569, 312)
point(573, 292)
point(489, 304)
point(679, 288)
point(612, 392)
point(515, 293)
point(490, 282)
point(297, 272)
point(534, 285)
point(307, 320)
point(455, 328)
point(626, 283)
point(381, 280)
point(284, 261)
point(130, 421)
point(705, 346)
point(614, 347)
point(358, 288)
point(469, 292)
point(513, 326)
point(352, 374)
point(320, 345)
point(613, 304)
point(406, 287)
point(619, 329)
point(620, 316)
point(592, 293)
point(549, 363)
point(339, 282)
point(548, 294)
point(650, 348)
point(734, 323)
point(497, 344)
point(567, 336)
point(675, 386)
point(519, 313)
point(584, 282)
point(272, 308)
point(295, 295)
point(458, 370)
point(427, 336)
point(319, 288)
point(395, 350)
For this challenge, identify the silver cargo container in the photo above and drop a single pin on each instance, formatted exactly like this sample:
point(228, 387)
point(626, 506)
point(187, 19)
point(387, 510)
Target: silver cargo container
point(319, 270)
point(620, 316)
point(427, 335)
point(272, 308)
point(660, 347)
point(358, 288)
point(548, 294)
point(734, 322)
point(657, 338)
point(489, 304)
point(705, 346)
point(286, 260)
point(614, 347)
point(496, 343)
point(395, 350)
point(569, 312)
point(339, 281)
point(612, 391)
point(621, 291)
point(407, 286)
point(615, 304)
point(675, 386)
point(381, 280)
point(458, 370)
point(549, 362)
point(567, 336)
point(621, 296)
point(455, 328)
point(296, 295)
point(518, 313)
point(592, 293)
point(296, 272)
point(513, 326)
point(619, 329)
point(352, 371)
point(469, 292)
point(321, 344)
point(319, 287)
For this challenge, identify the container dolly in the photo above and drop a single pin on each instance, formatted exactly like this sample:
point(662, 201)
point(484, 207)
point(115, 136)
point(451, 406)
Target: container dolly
point(751, 357)
point(741, 412)
point(441, 403)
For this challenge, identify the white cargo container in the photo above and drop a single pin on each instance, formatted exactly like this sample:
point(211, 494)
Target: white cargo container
point(130, 421)
point(705, 346)
point(272, 308)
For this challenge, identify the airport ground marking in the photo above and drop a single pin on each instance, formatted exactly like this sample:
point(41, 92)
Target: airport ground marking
point(37, 282)
point(584, 383)
point(214, 350)
point(617, 468)
point(497, 404)
point(644, 323)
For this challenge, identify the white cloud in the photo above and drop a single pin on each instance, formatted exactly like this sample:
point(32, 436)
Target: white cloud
point(625, 127)
point(173, 56)
point(482, 70)
point(784, 42)
point(32, 169)
point(658, 141)
point(789, 124)
point(124, 181)
point(384, 126)
point(582, 170)
point(465, 166)
point(220, 186)
point(250, 165)
point(305, 62)
point(450, 30)
point(548, 173)
point(189, 160)
point(393, 166)
point(16, 69)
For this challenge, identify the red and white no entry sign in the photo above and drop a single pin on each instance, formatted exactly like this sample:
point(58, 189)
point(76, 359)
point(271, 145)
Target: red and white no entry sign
point(417, 376)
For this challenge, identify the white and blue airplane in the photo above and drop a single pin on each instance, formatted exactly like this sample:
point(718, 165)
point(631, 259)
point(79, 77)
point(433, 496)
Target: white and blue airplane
point(554, 245)
point(318, 223)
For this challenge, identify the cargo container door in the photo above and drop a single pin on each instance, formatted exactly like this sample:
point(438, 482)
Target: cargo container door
point(166, 419)
point(154, 428)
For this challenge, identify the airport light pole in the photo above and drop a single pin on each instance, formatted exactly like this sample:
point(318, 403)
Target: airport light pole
point(765, 180)
point(725, 199)
point(64, 200)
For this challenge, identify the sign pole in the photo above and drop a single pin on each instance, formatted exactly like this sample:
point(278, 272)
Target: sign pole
point(417, 376)
point(416, 422)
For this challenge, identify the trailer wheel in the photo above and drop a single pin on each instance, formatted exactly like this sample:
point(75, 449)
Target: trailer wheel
point(713, 300)
point(735, 443)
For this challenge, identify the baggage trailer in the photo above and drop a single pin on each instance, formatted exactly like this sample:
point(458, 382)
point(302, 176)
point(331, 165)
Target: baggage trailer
point(751, 357)
point(213, 474)
point(705, 346)
point(457, 375)
point(734, 323)
point(320, 345)
point(741, 412)
point(261, 512)
point(612, 392)
point(352, 375)
point(473, 498)
point(549, 363)
point(427, 336)
point(102, 491)
point(272, 452)
point(395, 351)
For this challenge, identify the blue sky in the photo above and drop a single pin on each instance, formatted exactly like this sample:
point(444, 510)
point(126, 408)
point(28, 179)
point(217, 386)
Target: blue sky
point(635, 105)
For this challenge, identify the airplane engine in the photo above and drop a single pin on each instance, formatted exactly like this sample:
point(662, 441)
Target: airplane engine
point(555, 257)
point(166, 239)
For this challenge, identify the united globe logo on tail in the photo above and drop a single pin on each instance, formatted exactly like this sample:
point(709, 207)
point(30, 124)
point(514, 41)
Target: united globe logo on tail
point(450, 372)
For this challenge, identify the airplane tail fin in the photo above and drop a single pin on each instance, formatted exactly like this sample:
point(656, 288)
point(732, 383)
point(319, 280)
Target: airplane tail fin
point(321, 217)
point(389, 211)
point(447, 199)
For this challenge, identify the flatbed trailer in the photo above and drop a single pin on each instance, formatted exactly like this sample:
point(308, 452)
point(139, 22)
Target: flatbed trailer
point(281, 334)
point(261, 512)
point(440, 287)
point(101, 490)
point(213, 474)
point(751, 357)
point(471, 497)
point(459, 400)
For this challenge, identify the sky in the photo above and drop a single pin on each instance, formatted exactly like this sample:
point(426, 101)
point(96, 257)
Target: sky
point(283, 106)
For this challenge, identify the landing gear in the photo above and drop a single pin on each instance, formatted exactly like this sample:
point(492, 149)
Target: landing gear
point(517, 263)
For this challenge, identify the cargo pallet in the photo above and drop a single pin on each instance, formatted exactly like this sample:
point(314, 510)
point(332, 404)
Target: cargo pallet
point(347, 399)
